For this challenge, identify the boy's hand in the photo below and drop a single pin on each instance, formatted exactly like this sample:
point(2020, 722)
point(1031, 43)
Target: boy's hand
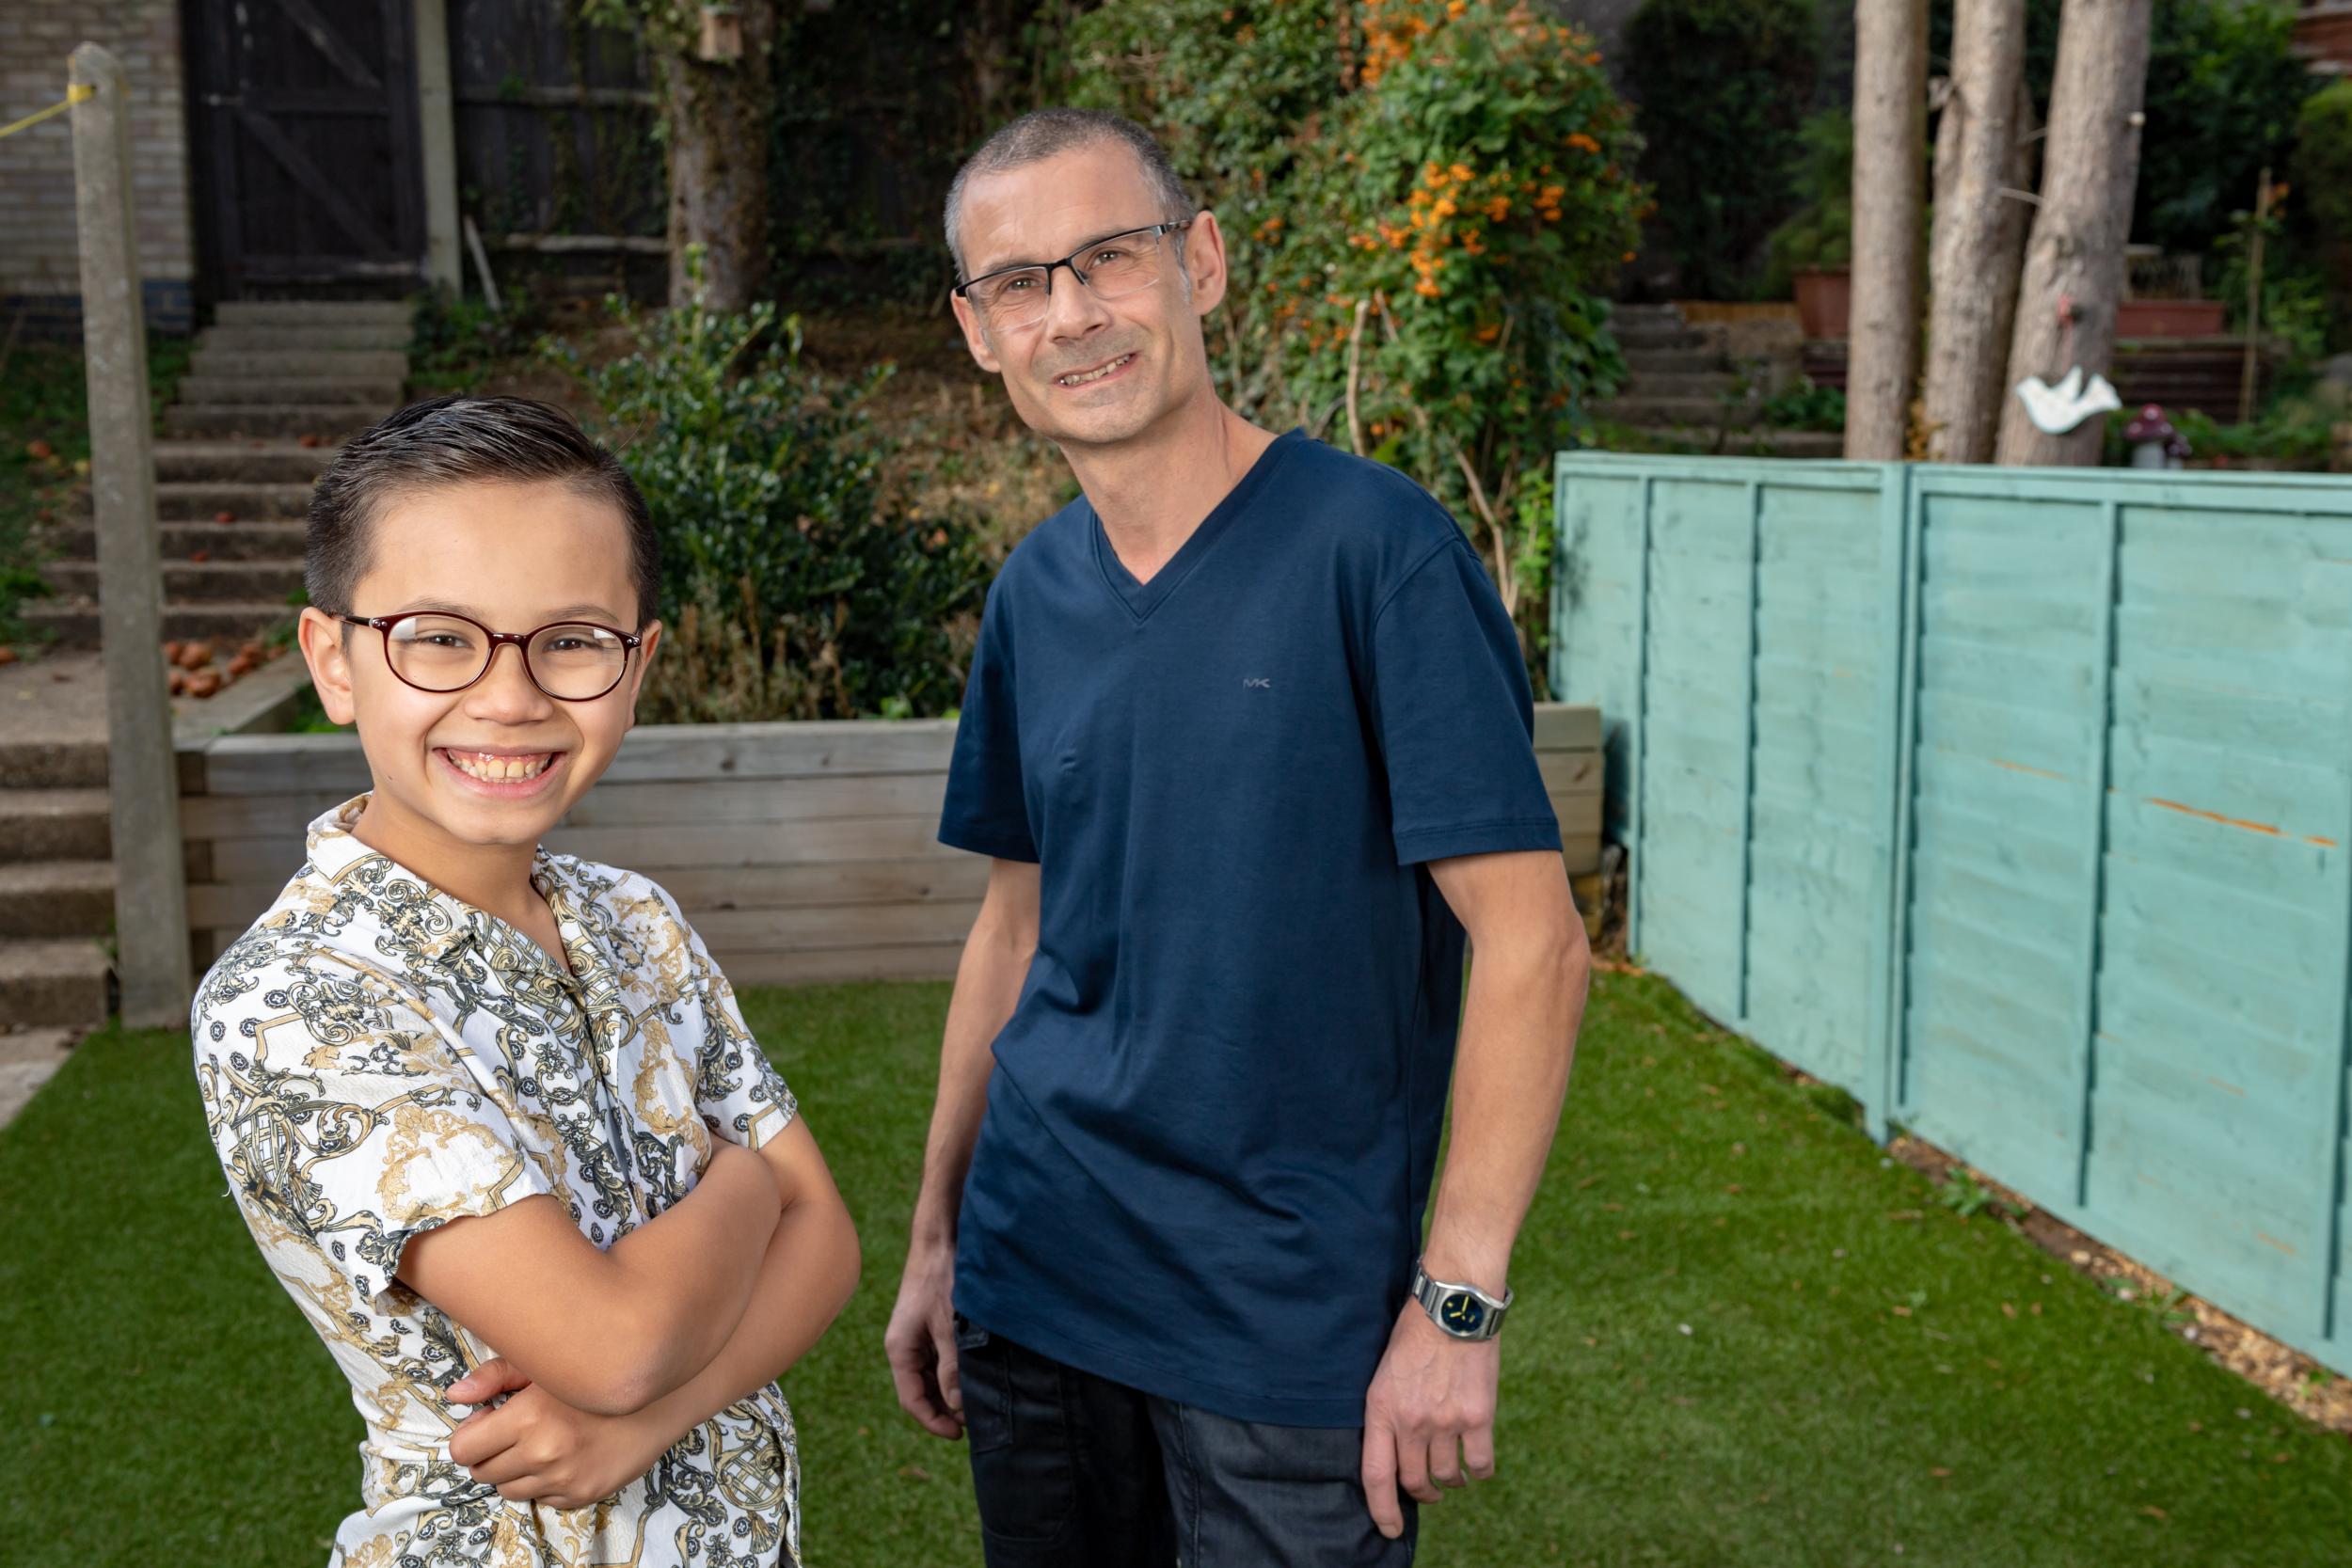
point(537, 1448)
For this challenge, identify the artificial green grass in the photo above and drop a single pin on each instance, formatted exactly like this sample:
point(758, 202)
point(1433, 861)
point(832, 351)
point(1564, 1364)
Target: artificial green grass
point(1707, 1368)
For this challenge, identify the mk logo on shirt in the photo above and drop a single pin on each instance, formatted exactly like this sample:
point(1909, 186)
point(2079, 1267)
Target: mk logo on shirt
point(1258, 683)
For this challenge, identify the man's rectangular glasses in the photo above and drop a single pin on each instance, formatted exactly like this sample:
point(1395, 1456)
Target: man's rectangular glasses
point(572, 661)
point(1124, 264)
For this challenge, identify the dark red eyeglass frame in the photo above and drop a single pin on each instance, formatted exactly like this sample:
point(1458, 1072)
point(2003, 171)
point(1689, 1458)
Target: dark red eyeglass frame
point(383, 624)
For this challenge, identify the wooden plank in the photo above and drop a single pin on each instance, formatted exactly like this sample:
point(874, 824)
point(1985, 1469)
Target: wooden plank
point(262, 765)
point(1637, 748)
point(1747, 754)
point(1567, 727)
point(900, 961)
point(656, 851)
point(822, 930)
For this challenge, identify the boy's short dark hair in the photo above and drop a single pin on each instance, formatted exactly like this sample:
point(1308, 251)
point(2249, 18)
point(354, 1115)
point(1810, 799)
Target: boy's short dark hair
point(451, 440)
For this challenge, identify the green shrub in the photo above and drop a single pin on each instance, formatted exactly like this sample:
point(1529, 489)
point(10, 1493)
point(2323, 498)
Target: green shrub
point(795, 585)
point(1722, 86)
point(2224, 88)
point(1426, 210)
point(1818, 237)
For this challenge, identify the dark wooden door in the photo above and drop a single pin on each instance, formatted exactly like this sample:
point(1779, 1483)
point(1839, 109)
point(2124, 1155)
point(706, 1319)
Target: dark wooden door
point(307, 169)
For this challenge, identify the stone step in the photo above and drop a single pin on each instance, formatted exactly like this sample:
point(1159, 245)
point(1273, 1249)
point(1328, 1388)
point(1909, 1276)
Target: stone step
point(46, 983)
point(57, 900)
point(74, 623)
point(325, 422)
point(279, 543)
point(1672, 361)
point(1634, 339)
point(1650, 412)
point(53, 764)
point(377, 363)
point(305, 339)
point(266, 461)
point(55, 824)
point(1684, 384)
point(195, 583)
point(194, 500)
point(1645, 315)
point(308, 312)
point(1793, 443)
point(255, 388)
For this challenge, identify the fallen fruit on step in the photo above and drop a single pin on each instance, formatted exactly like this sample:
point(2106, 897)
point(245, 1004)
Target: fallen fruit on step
point(171, 651)
point(8, 654)
point(203, 682)
point(310, 440)
point(252, 649)
point(39, 450)
point(177, 683)
point(200, 556)
point(224, 515)
point(195, 655)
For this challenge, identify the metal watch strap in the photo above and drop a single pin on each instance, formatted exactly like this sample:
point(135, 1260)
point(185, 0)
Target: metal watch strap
point(1431, 1293)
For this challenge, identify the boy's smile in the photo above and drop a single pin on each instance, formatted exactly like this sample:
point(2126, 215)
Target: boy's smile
point(467, 782)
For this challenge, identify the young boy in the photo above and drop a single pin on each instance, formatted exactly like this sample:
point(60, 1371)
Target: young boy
point(491, 1113)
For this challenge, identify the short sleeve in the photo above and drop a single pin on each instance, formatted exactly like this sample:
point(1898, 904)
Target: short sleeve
point(1454, 717)
point(739, 1093)
point(341, 1114)
point(987, 809)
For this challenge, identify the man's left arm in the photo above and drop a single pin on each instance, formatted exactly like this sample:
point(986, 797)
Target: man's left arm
point(1429, 1416)
point(536, 1447)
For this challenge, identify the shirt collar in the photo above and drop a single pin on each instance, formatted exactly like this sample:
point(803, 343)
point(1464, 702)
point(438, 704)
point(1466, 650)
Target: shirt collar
point(440, 925)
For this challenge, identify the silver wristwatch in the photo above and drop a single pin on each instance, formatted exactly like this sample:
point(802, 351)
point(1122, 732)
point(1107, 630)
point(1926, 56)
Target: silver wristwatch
point(1464, 1311)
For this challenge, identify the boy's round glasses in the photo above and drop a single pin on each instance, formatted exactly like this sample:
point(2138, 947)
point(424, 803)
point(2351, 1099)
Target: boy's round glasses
point(572, 661)
point(1124, 264)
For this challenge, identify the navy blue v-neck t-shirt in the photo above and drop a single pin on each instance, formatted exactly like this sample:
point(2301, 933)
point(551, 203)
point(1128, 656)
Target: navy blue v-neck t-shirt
point(1214, 1112)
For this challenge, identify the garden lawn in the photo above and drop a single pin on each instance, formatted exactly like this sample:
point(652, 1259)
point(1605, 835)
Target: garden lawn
point(1708, 1366)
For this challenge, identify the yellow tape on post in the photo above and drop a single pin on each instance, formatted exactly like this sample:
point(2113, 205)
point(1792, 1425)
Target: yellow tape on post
point(73, 95)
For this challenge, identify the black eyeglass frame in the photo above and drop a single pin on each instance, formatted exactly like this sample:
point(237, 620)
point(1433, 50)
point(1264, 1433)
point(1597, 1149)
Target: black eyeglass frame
point(383, 624)
point(963, 290)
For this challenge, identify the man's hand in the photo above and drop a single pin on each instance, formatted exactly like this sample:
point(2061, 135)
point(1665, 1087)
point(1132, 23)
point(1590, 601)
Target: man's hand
point(537, 1448)
point(1429, 1420)
point(921, 1341)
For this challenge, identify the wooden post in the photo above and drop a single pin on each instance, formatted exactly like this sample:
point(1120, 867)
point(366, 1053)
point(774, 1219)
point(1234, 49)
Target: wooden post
point(2253, 299)
point(436, 134)
point(151, 897)
point(1890, 123)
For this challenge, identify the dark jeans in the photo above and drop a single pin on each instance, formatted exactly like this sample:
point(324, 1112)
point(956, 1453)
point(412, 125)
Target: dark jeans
point(1076, 1471)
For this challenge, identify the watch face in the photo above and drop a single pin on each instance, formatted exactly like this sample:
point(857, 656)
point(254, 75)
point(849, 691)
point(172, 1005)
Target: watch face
point(1462, 1313)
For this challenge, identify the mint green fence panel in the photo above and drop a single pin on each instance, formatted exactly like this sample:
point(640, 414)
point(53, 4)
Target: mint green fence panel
point(2019, 803)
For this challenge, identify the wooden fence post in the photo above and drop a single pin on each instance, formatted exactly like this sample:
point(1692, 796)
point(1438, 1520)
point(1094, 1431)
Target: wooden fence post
point(150, 895)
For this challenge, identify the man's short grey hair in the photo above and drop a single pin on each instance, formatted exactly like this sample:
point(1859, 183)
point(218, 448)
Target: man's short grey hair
point(1043, 134)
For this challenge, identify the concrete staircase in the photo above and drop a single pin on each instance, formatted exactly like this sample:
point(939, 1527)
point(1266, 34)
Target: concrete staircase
point(273, 386)
point(1684, 390)
point(271, 390)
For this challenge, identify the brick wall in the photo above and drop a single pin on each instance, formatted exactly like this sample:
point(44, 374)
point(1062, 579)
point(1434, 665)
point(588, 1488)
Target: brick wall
point(40, 264)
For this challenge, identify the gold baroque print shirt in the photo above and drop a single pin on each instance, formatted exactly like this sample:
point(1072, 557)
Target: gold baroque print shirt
point(377, 1058)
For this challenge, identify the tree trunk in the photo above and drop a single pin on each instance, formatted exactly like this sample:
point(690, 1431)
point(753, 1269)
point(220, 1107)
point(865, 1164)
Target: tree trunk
point(2073, 274)
point(1890, 122)
point(718, 113)
point(1976, 254)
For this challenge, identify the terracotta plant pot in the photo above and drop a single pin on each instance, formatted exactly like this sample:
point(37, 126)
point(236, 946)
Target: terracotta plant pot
point(1824, 300)
point(2168, 318)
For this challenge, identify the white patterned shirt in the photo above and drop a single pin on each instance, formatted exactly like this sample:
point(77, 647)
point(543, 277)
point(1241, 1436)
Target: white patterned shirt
point(377, 1058)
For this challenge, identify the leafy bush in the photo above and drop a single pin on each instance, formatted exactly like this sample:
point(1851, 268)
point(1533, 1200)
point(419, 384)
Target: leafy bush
point(1426, 210)
point(794, 584)
point(2224, 88)
point(1805, 406)
point(2323, 172)
point(1820, 236)
point(1722, 86)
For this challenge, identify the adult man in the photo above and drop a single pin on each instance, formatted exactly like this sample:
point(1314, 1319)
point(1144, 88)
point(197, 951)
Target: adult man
point(1247, 736)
